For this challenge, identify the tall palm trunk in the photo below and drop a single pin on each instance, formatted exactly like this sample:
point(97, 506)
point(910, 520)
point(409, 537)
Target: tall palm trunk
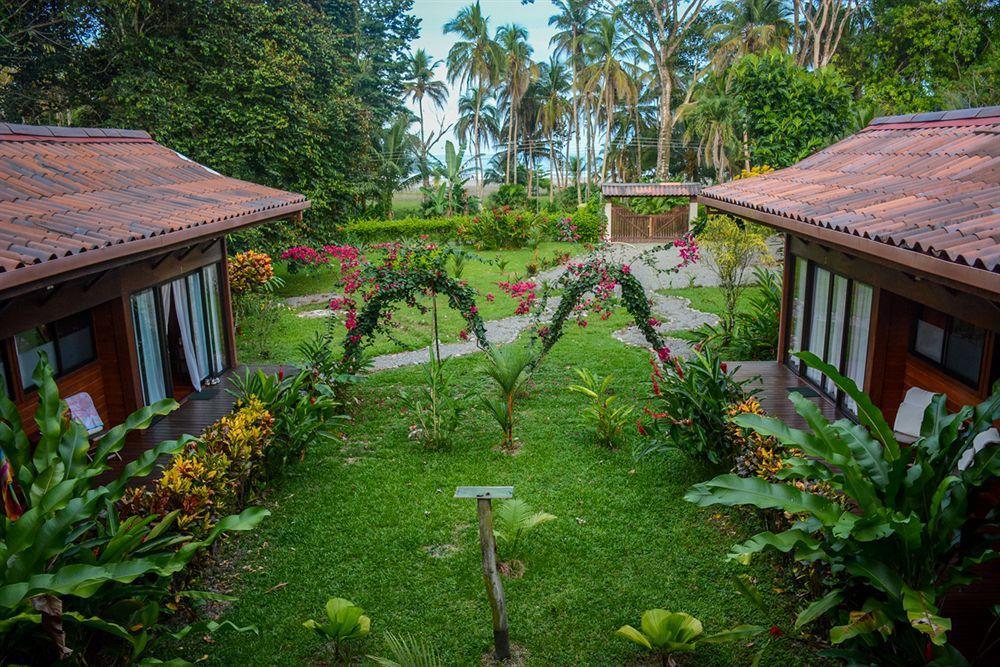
point(638, 144)
point(590, 146)
point(475, 137)
point(552, 162)
point(576, 116)
point(609, 113)
point(510, 136)
point(423, 147)
point(666, 125)
point(516, 145)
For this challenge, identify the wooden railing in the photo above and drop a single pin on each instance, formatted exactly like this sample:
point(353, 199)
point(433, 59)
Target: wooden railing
point(637, 228)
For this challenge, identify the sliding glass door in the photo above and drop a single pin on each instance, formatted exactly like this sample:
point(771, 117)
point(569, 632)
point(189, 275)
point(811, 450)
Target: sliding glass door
point(193, 303)
point(831, 316)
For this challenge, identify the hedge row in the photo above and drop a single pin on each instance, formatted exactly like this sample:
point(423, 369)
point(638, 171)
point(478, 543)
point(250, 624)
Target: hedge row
point(379, 231)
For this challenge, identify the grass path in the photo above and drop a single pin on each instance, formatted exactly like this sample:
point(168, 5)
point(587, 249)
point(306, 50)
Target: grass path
point(360, 520)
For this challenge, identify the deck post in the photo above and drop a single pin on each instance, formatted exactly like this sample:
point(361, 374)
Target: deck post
point(491, 575)
point(607, 226)
point(692, 212)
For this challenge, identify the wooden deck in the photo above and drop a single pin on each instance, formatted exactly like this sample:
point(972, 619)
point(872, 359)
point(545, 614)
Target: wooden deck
point(197, 411)
point(773, 382)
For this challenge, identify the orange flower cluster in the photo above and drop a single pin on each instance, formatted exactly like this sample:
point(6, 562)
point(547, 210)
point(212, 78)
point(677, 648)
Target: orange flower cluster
point(250, 271)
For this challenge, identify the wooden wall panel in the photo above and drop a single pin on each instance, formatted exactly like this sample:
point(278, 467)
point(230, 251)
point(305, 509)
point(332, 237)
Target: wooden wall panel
point(88, 378)
point(921, 374)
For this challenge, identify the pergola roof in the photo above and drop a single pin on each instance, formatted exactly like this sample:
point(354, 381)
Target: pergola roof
point(650, 189)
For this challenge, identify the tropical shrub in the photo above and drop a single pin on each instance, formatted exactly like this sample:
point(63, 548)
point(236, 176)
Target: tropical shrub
point(511, 195)
point(345, 625)
point(251, 271)
point(499, 228)
point(305, 259)
point(608, 421)
point(688, 410)
point(753, 333)
point(75, 578)
point(509, 367)
point(513, 521)
point(305, 410)
point(382, 231)
point(668, 632)
point(897, 529)
point(580, 225)
point(734, 248)
point(435, 408)
point(652, 205)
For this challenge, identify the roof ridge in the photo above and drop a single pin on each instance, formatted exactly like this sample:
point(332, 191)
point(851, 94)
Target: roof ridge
point(936, 116)
point(56, 132)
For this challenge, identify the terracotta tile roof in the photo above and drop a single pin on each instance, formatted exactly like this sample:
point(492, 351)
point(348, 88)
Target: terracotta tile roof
point(650, 189)
point(71, 196)
point(928, 183)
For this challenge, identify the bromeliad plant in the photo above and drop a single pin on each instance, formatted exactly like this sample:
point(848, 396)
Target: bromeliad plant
point(70, 570)
point(895, 524)
point(609, 421)
point(345, 625)
point(667, 632)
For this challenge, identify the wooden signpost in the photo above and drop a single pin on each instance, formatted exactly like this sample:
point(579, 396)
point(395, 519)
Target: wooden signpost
point(484, 496)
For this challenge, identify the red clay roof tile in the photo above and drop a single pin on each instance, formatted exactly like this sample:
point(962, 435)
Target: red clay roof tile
point(650, 189)
point(928, 182)
point(66, 190)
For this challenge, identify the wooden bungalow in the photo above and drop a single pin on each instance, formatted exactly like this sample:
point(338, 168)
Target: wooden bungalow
point(892, 262)
point(113, 263)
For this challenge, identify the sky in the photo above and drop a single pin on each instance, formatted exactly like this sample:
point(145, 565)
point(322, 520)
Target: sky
point(435, 13)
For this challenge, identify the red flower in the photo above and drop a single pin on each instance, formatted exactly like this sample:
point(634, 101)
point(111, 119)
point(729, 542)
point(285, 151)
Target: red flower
point(463, 334)
point(775, 631)
point(626, 269)
point(725, 369)
point(490, 297)
point(639, 427)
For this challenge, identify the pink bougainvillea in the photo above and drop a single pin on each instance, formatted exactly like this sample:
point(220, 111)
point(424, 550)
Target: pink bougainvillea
point(304, 257)
point(688, 249)
point(523, 291)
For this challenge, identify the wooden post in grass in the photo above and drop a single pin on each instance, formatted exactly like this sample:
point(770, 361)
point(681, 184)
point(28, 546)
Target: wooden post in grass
point(484, 496)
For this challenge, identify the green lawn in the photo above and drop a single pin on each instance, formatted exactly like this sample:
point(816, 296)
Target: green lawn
point(414, 332)
point(710, 299)
point(361, 519)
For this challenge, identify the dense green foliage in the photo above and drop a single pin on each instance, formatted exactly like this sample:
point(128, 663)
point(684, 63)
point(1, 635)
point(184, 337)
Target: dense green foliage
point(787, 111)
point(288, 93)
point(75, 578)
point(897, 526)
point(380, 231)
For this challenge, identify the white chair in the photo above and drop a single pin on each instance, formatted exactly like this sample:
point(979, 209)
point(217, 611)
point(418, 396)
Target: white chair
point(985, 439)
point(910, 415)
point(82, 409)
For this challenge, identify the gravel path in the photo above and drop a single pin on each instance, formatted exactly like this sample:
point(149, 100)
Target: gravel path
point(675, 314)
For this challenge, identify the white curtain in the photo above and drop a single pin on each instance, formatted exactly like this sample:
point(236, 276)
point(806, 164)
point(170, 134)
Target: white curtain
point(147, 340)
point(195, 372)
point(817, 332)
point(857, 340)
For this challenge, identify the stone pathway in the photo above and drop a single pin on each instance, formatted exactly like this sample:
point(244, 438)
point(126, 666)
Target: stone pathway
point(675, 314)
point(308, 299)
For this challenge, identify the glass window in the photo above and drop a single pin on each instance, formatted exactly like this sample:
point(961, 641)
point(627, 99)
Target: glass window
point(210, 276)
point(952, 344)
point(798, 304)
point(67, 343)
point(4, 376)
point(835, 339)
point(199, 323)
point(964, 353)
point(857, 339)
point(820, 318)
point(149, 346)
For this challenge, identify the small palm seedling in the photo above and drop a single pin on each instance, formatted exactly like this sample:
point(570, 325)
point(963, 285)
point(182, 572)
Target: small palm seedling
point(609, 421)
point(667, 632)
point(345, 625)
point(512, 521)
point(408, 651)
point(435, 407)
point(508, 367)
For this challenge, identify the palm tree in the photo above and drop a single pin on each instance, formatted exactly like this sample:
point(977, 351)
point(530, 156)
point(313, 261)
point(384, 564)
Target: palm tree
point(751, 26)
point(420, 83)
point(474, 61)
point(571, 24)
point(553, 84)
point(490, 124)
point(396, 157)
point(711, 119)
point(518, 72)
point(607, 50)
